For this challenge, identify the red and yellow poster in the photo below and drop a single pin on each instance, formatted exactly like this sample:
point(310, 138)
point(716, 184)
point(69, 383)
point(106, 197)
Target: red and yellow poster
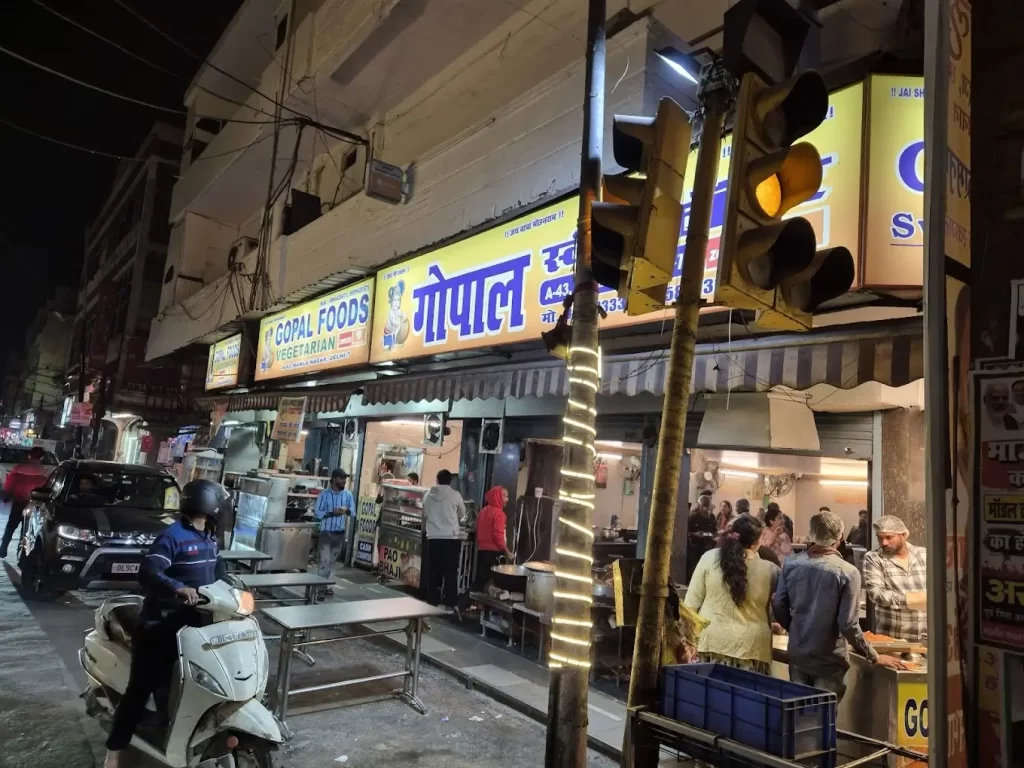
point(222, 363)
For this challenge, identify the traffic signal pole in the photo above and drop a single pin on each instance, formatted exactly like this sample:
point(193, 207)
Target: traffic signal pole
point(569, 659)
point(643, 684)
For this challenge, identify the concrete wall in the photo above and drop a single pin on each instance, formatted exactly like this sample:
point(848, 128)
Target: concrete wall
point(903, 480)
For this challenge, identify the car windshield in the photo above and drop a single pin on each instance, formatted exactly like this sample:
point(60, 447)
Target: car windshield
point(9, 455)
point(125, 489)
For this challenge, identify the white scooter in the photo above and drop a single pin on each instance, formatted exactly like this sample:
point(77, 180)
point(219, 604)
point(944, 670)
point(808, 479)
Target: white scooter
point(211, 716)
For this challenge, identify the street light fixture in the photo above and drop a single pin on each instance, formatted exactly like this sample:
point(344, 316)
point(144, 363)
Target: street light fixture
point(682, 64)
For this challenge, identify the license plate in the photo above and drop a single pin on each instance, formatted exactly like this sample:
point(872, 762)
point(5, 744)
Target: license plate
point(124, 568)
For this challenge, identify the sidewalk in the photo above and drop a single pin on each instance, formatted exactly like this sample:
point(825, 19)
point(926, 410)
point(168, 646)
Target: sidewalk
point(41, 719)
point(518, 682)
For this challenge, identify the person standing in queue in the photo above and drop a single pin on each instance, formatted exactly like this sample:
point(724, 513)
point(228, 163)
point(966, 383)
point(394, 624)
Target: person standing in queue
point(182, 559)
point(443, 509)
point(896, 578)
point(490, 535)
point(333, 506)
point(18, 486)
point(818, 602)
point(860, 536)
point(732, 590)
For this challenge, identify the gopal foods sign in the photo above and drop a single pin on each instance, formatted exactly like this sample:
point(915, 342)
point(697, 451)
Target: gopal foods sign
point(325, 333)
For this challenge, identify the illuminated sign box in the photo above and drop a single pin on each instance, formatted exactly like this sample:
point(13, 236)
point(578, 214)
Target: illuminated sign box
point(322, 334)
point(223, 363)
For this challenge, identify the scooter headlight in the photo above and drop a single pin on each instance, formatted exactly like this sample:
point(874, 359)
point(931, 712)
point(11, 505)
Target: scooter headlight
point(205, 680)
point(246, 602)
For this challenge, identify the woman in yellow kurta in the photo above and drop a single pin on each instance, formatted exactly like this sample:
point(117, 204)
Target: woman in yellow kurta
point(732, 589)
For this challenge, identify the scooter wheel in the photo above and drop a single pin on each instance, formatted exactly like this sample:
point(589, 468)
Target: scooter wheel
point(252, 755)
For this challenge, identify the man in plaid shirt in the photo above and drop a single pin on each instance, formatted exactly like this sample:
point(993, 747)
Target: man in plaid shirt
point(895, 576)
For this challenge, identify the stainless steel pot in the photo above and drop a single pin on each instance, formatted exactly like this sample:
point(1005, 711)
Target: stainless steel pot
point(509, 577)
point(540, 591)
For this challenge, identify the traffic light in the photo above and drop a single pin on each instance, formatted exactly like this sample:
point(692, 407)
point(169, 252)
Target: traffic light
point(634, 238)
point(766, 262)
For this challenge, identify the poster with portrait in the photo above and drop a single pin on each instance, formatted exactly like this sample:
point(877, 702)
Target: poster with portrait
point(1016, 348)
point(999, 502)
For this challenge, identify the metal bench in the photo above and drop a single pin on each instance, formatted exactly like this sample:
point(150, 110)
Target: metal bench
point(299, 620)
point(257, 582)
point(238, 556)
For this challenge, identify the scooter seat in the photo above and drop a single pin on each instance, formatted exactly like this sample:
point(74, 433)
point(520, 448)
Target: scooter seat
point(121, 623)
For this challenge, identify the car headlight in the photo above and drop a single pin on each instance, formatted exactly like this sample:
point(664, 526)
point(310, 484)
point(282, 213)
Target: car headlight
point(73, 533)
point(245, 600)
point(205, 680)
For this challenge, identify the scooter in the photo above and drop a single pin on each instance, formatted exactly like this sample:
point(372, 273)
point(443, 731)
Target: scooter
point(210, 715)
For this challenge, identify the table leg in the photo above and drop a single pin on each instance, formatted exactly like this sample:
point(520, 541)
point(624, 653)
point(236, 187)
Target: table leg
point(410, 693)
point(284, 674)
point(522, 636)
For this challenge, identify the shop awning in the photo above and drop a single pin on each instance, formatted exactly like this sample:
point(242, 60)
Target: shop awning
point(323, 401)
point(845, 358)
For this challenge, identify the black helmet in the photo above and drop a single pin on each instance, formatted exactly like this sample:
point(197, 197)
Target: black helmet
point(204, 497)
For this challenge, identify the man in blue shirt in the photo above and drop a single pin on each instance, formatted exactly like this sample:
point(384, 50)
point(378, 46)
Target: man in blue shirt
point(183, 558)
point(333, 506)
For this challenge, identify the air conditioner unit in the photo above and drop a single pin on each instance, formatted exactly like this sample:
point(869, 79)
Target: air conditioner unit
point(239, 249)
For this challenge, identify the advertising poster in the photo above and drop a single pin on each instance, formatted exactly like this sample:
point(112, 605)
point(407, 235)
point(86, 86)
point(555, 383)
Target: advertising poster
point(222, 363)
point(1014, 739)
point(958, 138)
point(399, 557)
point(1002, 569)
point(1016, 350)
point(367, 517)
point(507, 284)
point(322, 334)
point(894, 220)
point(290, 413)
point(81, 414)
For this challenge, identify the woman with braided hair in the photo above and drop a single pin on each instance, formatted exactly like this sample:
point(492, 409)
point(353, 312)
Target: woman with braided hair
point(732, 589)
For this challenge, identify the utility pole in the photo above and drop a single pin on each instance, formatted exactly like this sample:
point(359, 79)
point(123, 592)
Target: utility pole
point(643, 684)
point(570, 637)
point(80, 432)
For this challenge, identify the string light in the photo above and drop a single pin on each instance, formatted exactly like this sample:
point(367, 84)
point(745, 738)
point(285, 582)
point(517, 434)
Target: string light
point(573, 440)
point(584, 351)
point(579, 425)
point(583, 495)
point(584, 382)
point(572, 622)
point(574, 596)
point(600, 360)
point(585, 369)
point(574, 577)
point(576, 526)
point(569, 640)
point(582, 407)
point(573, 553)
point(577, 502)
point(577, 475)
point(570, 661)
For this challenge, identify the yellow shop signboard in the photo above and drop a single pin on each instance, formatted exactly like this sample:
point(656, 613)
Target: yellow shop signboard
point(322, 334)
point(223, 361)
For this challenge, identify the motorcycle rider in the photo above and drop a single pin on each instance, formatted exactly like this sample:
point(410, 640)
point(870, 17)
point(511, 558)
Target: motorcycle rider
point(183, 558)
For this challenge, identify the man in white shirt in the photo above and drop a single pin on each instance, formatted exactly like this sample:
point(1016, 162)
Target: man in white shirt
point(443, 511)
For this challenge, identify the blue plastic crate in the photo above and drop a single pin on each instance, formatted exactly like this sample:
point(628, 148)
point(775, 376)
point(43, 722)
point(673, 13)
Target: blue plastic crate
point(775, 716)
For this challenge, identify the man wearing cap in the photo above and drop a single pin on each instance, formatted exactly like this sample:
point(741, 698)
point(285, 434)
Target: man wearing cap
point(896, 575)
point(333, 505)
point(817, 601)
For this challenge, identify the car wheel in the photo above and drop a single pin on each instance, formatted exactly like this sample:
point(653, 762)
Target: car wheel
point(34, 575)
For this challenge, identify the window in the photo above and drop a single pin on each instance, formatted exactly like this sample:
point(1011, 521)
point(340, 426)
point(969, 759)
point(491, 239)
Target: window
point(131, 490)
point(209, 125)
point(11, 455)
point(282, 32)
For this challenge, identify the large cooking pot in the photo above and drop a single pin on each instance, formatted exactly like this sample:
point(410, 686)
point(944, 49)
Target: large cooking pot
point(540, 591)
point(511, 578)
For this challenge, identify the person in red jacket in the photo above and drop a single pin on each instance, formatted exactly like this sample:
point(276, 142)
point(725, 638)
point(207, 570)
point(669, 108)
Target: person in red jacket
point(490, 534)
point(18, 486)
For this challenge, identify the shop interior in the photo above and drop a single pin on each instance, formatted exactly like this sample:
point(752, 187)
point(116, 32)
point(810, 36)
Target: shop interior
point(800, 485)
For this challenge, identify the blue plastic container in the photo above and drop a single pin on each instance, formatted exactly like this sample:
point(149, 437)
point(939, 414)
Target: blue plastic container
point(775, 716)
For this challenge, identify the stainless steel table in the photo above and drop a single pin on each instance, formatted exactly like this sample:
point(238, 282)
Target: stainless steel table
point(238, 556)
point(264, 581)
point(300, 619)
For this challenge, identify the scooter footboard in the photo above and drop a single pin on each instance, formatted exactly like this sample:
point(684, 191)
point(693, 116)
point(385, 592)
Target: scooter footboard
point(248, 717)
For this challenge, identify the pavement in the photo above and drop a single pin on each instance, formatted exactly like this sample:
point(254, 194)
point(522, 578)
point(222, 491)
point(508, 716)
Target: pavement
point(476, 695)
point(520, 682)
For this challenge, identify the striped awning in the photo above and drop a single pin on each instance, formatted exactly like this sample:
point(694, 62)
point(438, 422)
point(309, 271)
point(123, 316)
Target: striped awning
point(893, 357)
point(319, 402)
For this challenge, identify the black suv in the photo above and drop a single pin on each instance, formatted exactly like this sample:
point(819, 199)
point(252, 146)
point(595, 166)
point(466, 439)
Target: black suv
point(91, 524)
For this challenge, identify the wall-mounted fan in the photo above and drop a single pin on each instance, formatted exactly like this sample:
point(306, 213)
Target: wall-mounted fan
point(709, 477)
point(779, 485)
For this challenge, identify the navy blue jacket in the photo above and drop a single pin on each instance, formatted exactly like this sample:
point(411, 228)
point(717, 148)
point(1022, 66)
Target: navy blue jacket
point(180, 557)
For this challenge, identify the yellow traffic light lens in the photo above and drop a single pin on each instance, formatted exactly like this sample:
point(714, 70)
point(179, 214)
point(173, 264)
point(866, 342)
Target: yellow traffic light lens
point(769, 195)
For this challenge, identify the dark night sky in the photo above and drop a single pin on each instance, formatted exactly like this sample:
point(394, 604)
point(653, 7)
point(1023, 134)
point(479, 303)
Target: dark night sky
point(50, 192)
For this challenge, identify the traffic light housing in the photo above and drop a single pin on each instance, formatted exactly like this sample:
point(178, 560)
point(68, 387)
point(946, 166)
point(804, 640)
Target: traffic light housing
point(766, 262)
point(634, 238)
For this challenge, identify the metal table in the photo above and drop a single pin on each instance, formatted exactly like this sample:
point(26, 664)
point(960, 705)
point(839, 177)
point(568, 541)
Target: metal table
point(264, 581)
point(238, 556)
point(300, 619)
